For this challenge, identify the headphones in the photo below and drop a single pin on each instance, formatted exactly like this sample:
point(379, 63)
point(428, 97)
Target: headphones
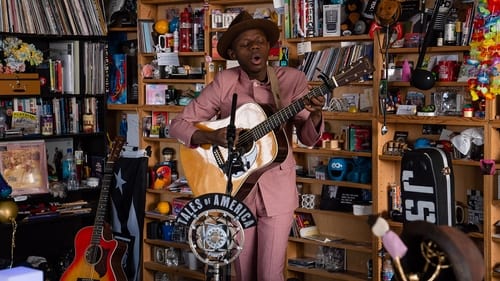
point(386, 15)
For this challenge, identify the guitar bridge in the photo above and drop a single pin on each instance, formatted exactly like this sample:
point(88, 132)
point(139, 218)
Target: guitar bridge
point(239, 165)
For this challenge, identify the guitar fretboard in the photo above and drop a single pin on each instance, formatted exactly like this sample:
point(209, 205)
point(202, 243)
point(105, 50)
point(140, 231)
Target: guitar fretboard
point(102, 204)
point(346, 76)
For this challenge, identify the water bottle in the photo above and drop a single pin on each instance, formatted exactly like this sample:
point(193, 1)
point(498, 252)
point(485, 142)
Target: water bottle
point(67, 159)
point(72, 182)
point(69, 170)
point(387, 269)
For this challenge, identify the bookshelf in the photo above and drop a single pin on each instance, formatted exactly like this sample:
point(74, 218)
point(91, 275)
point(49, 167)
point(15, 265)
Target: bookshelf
point(360, 245)
point(81, 18)
point(73, 116)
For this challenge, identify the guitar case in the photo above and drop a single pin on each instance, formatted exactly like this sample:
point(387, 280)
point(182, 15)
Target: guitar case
point(427, 186)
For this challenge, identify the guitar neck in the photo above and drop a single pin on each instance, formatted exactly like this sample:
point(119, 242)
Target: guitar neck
point(284, 114)
point(102, 203)
point(104, 196)
point(352, 73)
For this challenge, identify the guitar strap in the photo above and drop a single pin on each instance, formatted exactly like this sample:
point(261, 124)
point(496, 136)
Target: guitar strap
point(275, 88)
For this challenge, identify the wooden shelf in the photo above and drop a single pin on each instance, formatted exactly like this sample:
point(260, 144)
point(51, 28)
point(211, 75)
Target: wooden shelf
point(363, 37)
point(339, 183)
point(129, 107)
point(331, 152)
point(351, 116)
point(165, 140)
point(444, 49)
point(457, 162)
point(180, 54)
point(344, 244)
point(167, 244)
point(437, 84)
point(168, 108)
point(172, 81)
point(345, 276)
point(176, 270)
point(331, 213)
point(167, 192)
point(444, 120)
point(122, 29)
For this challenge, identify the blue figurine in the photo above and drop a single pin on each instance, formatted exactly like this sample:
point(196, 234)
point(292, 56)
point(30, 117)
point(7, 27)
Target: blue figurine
point(123, 126)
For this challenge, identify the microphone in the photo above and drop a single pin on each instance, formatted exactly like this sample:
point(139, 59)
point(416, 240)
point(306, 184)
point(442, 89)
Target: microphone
point(231, 129)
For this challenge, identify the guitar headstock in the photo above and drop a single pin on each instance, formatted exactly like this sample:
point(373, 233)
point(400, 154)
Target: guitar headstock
point(116, 147)
point(354, 71)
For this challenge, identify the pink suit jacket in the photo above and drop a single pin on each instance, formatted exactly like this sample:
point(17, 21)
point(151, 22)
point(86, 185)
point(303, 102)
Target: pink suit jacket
point(277, 185)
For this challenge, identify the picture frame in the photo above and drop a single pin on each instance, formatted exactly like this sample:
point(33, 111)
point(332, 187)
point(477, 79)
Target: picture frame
point(23, 164)
point(56, 149)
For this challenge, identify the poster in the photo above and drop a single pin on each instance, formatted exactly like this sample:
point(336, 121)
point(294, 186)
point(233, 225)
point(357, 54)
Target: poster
point(24, 166)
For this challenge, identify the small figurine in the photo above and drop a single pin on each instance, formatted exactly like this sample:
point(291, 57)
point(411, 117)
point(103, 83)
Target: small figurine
point(148, 71)
point(165, 172)
point(123, 126)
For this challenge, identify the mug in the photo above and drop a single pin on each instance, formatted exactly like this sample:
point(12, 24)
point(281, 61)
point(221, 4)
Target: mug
point(460, 215)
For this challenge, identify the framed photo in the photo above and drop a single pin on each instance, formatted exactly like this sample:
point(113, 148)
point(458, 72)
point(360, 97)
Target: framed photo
point(56, 149)
point(24, 166)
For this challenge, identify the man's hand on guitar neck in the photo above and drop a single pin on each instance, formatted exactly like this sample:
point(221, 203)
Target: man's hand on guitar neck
point(216, 137)
point(315, 106)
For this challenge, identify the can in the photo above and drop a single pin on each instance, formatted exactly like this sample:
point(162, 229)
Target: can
point(449, 34)
point(468, 112)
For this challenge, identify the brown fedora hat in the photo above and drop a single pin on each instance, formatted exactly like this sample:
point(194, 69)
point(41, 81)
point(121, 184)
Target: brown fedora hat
point(244, 21)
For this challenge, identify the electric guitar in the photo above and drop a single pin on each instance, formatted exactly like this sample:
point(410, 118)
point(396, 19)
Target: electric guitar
point(262, 144)
point(98, 257)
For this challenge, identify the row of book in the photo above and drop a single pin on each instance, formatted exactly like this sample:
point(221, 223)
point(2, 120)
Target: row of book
point(63, 73)
point(146, 35)
point(320, 18)
point(330, 61)
point(303, 18)
point(64, 115)
point(63, 17)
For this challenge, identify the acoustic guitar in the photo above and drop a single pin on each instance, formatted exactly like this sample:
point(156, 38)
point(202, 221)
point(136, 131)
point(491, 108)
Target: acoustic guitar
point(98, 257)
point(261, 145)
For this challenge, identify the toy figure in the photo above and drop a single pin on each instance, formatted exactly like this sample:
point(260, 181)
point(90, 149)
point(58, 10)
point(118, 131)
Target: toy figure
point(166, 170)
point(123, 126)
point(387, 12)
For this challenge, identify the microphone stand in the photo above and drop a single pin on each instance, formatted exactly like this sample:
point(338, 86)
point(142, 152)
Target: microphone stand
point(232, 156)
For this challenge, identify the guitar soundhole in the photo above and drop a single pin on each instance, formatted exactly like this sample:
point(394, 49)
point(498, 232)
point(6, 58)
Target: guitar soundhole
point(245, 143)
point(93, 254)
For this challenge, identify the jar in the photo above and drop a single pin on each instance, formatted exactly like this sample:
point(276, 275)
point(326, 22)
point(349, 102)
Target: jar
point(468, 112)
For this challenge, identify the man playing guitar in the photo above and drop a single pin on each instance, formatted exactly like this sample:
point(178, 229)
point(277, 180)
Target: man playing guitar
point(273, 196)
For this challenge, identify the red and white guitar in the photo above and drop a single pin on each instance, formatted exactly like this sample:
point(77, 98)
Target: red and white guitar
point(98, 257)
point(262, 143)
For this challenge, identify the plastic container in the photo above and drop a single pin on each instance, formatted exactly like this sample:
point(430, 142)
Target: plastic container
point(67, 160)
point(69, 170)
